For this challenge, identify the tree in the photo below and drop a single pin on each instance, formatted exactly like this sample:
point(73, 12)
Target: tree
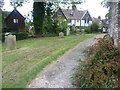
point(43, 11)
point(1, 3)
point(94, 27)
point(18, 3)
point(105, 3)
point(38, 16)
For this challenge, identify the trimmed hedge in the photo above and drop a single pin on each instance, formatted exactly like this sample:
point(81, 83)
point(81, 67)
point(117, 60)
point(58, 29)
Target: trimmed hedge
point(19, 36)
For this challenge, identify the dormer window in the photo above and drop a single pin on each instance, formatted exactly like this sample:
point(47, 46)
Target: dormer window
point(15, 20)
point(72, 13)
point(59, 14)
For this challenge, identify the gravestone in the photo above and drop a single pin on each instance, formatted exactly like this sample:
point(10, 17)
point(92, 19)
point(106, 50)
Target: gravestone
point(61, 35)
point(82, 30)
point(68, 31)
point(10, 42)
point(78, 32)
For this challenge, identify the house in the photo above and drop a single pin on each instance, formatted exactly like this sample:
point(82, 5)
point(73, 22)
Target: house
point(76, 17)
point(14, 22)
point(103, 22)
point(105, 25)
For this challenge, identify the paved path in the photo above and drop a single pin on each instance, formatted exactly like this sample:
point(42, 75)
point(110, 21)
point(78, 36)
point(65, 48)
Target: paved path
point(58, 74)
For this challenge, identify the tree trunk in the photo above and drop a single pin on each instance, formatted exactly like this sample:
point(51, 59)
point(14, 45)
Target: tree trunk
point(38, 16)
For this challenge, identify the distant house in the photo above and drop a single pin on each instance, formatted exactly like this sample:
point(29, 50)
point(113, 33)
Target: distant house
point(14, 22)
point(105, 25)
point(76, 17)
point(103, 22)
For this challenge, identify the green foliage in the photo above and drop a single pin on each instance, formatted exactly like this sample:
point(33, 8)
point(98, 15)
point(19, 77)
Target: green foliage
point(55, 26)
point(2, 37)
point(1, 3)
point(100, 70)
point(93, 28)
point(105, 3)
point(62, 25)
point(18, 3)
point(21, 35)
point(43, 12)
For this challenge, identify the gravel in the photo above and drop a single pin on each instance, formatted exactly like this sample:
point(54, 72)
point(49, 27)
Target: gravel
point(58, 74)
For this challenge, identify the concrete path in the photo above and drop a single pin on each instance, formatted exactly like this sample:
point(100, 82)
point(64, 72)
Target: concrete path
point(58, 74)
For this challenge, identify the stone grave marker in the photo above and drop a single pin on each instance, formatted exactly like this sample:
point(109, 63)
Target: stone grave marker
point(10, 42)
point(78, 32)
point(68, 31)
point(61, 35)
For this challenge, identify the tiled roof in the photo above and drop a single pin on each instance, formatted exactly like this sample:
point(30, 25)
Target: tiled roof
point(73, 14)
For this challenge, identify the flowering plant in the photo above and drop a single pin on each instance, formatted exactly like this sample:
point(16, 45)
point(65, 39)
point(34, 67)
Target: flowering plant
point(100, 70)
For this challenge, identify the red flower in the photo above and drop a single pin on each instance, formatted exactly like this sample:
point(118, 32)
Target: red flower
point(90, 76)
point(110, 46)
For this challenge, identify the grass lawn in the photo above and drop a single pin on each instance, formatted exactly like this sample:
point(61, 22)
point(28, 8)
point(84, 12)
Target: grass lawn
point(22, 65)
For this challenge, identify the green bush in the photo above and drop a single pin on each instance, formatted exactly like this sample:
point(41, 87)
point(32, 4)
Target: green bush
point(100, 70)
point(2, 37)
point(21, 35)
point(55, 26)
point(93, 28)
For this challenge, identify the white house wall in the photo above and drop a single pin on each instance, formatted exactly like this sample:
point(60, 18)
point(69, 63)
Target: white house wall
point(72, 22)
point(79, 23)
point(82, 22)
point(90, 22)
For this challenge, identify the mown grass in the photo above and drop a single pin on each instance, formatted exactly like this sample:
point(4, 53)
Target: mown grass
point(22, 65)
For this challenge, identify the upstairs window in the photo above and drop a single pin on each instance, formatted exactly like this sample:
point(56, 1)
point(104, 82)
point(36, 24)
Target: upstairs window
point(15, 20)
point(59, 14)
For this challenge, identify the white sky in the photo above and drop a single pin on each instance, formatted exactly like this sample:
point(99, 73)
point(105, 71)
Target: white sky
point(93, 6)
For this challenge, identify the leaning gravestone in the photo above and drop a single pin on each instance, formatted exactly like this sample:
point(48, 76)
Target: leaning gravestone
point(78, 32)
point(68, 31)
point(61, 35)
point(10, 42)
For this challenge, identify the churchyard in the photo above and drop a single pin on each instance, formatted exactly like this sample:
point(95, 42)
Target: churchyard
point(21, 65)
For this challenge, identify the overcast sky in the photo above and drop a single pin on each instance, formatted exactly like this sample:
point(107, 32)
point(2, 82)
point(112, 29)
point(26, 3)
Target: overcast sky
point(93, 6)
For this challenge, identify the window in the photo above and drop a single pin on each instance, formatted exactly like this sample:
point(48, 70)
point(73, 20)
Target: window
point(59, 14)
point(15, 20)
point(77, 20)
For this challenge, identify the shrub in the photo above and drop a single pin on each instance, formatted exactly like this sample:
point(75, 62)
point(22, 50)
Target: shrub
point(2, 37)
point(55, 26)
point(21, 35)
point(100, 70)
point(62, 25)
point(93, 28)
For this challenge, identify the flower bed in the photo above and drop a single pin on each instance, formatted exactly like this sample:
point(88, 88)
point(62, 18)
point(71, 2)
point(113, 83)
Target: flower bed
point(100, 70)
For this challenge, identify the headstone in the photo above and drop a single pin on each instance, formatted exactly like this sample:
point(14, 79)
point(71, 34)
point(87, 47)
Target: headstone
point(61, 35)
point(10, 42)
point(78, 32)
point(68, 31)
point(82, 30)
